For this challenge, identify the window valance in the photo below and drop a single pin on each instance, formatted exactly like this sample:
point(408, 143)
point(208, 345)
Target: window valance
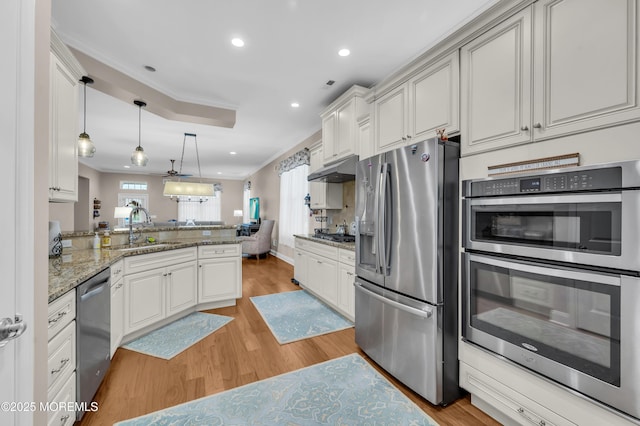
point(298, 159)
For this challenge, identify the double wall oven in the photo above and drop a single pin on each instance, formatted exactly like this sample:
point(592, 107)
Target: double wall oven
point(551, 271)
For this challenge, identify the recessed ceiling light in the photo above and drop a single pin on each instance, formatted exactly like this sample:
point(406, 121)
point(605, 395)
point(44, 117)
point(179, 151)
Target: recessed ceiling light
point(149, 68)
point(219, 173)
point(233, 153)
point(237, 42)
point(127, 167)
point(294, 105)
point(344, 52)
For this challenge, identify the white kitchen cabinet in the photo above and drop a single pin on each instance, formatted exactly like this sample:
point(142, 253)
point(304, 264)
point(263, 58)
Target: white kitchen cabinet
point(323, 195)
point(365, 144)
point(117, 305)
point(58, 415)
point(339, 124)
point(61, 359)
point(65, 73)
point(152, 293)
point(219, 273)
point(415, 109)
point(181, 287)
point(323, 277)
point(346, 279)
point(556, 68)
point(328, 272)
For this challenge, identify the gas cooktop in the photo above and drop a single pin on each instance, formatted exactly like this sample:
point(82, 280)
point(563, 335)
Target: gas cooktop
point(338, 238)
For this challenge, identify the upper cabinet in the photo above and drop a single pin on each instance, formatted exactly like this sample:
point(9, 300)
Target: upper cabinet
point(556, 68)
point(427, 101)
point(323, 195)
point(340, 125)
point(65, 73)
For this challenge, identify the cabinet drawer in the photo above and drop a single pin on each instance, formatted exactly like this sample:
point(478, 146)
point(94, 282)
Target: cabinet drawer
point(347, 256)
point(145, 262)
point(66, 395)
point(317, 248)
point(117, 271)
point(61, 312)
point(226, 250)
point(511, 403)
point(62, 358)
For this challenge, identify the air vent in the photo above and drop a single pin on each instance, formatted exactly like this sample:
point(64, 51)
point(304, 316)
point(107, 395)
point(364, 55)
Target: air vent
point(330, 82)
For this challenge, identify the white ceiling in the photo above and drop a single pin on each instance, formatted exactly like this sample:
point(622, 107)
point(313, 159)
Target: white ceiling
point(290, 53)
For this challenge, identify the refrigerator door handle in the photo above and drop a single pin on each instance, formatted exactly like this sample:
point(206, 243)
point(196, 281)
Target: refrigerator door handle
point(382, 219)
point(426, 313)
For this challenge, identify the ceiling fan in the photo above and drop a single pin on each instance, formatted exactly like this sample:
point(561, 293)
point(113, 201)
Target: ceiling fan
point(174, 173)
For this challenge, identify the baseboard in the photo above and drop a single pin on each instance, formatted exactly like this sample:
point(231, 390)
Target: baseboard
point(282, 257)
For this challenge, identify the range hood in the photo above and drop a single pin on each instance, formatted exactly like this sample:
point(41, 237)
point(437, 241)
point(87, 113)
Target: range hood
point(339, 172)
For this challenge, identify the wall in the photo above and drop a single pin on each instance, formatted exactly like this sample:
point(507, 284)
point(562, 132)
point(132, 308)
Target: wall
point(265, 183)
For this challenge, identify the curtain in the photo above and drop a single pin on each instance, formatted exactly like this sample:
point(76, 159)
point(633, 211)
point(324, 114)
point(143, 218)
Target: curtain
point(207, 211)
point(294, 217)
point(245, 204)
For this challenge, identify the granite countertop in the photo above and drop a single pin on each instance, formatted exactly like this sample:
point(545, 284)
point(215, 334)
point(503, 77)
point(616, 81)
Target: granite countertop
point(74, 267)
point(310, 237)
point(117, 231)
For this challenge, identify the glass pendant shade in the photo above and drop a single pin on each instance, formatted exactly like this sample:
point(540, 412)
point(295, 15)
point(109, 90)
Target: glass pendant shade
point(139, 158)
point(86, 148)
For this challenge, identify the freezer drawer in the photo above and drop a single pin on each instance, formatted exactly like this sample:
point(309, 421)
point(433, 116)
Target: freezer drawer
point(401, 335)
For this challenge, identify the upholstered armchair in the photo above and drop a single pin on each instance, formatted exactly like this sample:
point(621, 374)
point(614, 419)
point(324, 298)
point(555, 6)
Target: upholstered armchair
point(260, 242)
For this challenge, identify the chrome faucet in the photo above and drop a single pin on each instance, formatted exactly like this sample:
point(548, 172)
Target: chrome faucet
point(135, 210)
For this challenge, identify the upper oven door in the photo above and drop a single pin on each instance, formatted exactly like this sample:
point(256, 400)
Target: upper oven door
point(598, 229)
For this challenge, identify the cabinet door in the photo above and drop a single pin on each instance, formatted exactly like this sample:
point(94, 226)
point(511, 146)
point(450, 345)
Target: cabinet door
point(586, 65)
point(346, 130)
point(434, 99)
point(117, 314)
point(219, 279)
point(391, 120)
point(181, 287)
point(496, 86)
point(323, 278)
point(300, 268)
point(318, 193)
point(63, 154)
point(315, 158)
point(329, 138)
point(144, 299)
point(346, 290)
point(365, 145)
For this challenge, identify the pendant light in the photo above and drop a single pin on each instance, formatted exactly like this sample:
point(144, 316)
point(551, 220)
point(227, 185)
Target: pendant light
point(139, 158)
point(86, 148)
point(198, 190)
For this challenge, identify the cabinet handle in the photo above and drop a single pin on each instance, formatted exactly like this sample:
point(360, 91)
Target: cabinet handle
point(119, 285)
point(63, 362)
point(408, 136)
point(524, 128)
point(404, 138)
point(200, 266)
point(58, 317)
point(524, 414)
point(170, 273)
point(537, 126)
point(319, 262)
point(350, 273)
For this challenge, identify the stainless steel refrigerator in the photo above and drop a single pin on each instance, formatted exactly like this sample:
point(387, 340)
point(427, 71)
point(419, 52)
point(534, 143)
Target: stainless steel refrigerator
point(407, 265)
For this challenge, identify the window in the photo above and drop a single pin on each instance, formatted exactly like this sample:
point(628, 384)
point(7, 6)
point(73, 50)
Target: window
point(196, 211)
point(137, 186)
point(140, 200)
point(294, 214)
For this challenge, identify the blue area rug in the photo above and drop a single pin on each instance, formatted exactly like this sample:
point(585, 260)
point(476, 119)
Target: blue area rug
point(343, 391)
point(170, 340)
point(297, 315)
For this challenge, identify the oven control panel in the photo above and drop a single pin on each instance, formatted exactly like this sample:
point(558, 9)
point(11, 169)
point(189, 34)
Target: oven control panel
point(572, 181)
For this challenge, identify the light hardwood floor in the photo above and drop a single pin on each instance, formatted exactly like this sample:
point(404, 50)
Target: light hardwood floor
point(241, 352)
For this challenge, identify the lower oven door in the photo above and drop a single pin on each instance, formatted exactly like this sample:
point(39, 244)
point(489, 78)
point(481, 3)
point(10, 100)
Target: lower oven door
point(577, 327)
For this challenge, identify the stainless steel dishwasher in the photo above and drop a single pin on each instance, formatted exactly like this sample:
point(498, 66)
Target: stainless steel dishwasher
point(93, 315)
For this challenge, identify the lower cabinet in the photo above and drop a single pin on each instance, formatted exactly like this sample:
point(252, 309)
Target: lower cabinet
point(117, 305)
point(328, 272)
point(219, 273)
point(157, 293)
point(61, 360)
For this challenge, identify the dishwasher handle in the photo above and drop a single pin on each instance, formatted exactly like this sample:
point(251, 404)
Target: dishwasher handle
point(94, 286)
point(424, 313)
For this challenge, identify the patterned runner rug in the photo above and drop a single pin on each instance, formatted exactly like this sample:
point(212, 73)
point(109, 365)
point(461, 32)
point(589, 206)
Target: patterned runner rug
point(343, 391)
point(297, 315)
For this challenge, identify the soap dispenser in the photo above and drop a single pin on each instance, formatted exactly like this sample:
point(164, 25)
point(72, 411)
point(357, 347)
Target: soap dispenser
point(106, 239)
point(96, 241)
